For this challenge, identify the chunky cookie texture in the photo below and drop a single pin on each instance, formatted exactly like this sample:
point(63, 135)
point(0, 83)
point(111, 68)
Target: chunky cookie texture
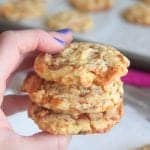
point(73, 100)
point(82, 64)
point(78, 91)
point(75, 20)
point(58, 123)
point(138, 14)
point(92, 5)
point(21, 9)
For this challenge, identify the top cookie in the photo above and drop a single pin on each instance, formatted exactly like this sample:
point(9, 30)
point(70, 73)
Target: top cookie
point(92, 5)
point(138, 13)
point(21, 9)
point(82, 64)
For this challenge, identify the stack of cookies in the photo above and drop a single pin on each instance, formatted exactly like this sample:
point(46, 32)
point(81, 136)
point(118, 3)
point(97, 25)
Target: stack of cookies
point(77, 91)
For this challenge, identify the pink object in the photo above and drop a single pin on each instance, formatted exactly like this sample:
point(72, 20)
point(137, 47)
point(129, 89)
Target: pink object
point(138, 78)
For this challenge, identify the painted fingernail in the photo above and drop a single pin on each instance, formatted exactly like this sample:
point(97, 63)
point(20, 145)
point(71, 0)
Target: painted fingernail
point(64, 31)
point(59, 40)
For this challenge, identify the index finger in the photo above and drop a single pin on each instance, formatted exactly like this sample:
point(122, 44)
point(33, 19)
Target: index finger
point(15, 45)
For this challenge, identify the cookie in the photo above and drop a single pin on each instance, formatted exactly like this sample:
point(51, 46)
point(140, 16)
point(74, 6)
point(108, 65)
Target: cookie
point(64, 124)
point(77, 21)
point(21, 9)
point(92, 5)
point(82, 64)
point(138, 14)
point(146, 1)
point(145, 147)
point(73, 100)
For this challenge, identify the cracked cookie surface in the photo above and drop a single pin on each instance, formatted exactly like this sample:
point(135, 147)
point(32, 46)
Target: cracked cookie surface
point(82, 64)
point(64, 124)
point(73, 100)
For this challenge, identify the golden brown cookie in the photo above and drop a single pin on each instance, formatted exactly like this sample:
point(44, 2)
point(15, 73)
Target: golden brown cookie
point(146, 1)
point(77, 21)
point(73, 100)
point(82, 64)
point(138, 13)
point(21, 9)
point(58, 123)
point(92, 5)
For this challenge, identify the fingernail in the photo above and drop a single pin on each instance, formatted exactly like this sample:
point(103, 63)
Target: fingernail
point(59, 40)
point(64, 31)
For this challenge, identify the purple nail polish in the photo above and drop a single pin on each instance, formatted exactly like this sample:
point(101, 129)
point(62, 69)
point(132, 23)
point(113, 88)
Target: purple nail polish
point(59, 40)
point(64, 31)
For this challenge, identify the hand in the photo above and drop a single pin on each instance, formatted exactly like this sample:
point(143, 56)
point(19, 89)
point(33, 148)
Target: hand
point(15, 46)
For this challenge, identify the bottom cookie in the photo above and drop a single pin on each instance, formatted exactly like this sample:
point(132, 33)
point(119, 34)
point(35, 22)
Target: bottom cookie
point(64, 124)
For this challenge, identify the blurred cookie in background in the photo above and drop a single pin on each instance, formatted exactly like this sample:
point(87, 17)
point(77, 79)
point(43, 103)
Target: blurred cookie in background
point(19, 10)
point(92, 5)
point(145, 147)
point(138, 14)
point(146, 1)
point(75, 20)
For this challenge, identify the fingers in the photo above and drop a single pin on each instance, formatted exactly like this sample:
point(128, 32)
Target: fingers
point(15, 45)
point(47, 142)
point(13, 104)
point(2, 89)
point(26, 65)
point(28, 61)
point(3, 121)
point(38, 39)
point(11, 141)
